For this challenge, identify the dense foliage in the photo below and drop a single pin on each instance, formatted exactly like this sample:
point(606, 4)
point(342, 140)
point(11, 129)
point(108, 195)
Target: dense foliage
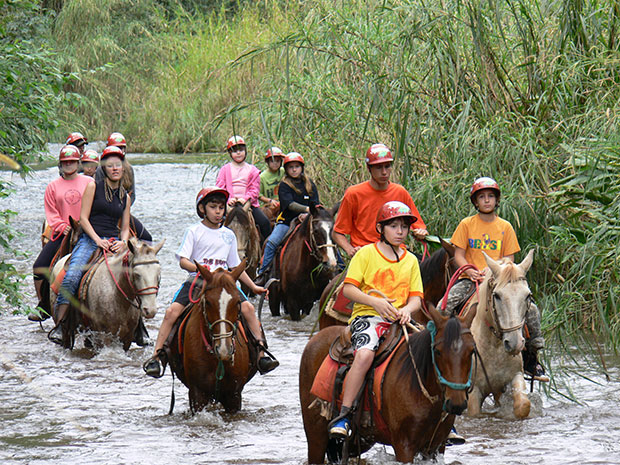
point(30, 94)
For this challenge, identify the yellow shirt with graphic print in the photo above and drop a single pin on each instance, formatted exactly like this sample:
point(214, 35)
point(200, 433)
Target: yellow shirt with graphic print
point(370, 269)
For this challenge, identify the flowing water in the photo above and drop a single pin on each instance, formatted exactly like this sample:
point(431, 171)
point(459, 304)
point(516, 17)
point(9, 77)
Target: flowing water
point(85, 407)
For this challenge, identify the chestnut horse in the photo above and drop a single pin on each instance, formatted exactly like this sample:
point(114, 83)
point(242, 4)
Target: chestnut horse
point(240, 220)
point(418, 417)
point(305, 264)
point(502, 303)
point(214, 360)
point(435, 270)
point(121, 287)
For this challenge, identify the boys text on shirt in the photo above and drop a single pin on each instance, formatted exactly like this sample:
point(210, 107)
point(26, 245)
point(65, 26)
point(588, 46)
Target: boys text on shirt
point(213, 248)
point(370, 269)
point(496, 238)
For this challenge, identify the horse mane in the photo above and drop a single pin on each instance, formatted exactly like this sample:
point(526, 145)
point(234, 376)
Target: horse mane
point(433, 265)
point(420, 348)
point(239, 214)
point(509, 273)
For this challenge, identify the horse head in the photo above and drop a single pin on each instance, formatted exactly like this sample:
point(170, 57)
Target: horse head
point(452, 347)
point(221, 305)
point(145, 274)
point(322, 247)
point(506, 297)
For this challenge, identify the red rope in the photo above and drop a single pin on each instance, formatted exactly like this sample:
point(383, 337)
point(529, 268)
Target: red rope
point(454, 279)
point(191, 290)
point(105, 256)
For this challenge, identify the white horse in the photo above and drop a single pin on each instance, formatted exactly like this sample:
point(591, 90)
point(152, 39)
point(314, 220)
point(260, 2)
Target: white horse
point(498, 331)
point(121, 286)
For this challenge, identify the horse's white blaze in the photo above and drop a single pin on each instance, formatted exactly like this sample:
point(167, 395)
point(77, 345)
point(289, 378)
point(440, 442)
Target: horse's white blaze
point(331, 251)
point(225, 298)
point(457, 345)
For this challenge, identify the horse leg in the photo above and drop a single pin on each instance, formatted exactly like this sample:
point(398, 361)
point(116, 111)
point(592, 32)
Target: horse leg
point(197, 399)
point(274, 299)
point(232, 402)
point(521, 403)
point(403, 449)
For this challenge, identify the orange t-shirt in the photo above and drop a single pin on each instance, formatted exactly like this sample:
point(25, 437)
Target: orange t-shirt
point(358, 211)
point(496, 238)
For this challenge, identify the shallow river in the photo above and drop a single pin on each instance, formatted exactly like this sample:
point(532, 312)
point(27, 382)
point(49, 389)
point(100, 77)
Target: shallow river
point(84, 407)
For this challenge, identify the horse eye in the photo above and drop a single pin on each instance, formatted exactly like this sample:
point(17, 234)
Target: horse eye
point(496, 296)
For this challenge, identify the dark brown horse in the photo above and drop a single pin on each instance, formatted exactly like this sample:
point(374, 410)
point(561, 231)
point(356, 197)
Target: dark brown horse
point(305, 264)
point(418, 417)
point(436, 272)
point(214, 359)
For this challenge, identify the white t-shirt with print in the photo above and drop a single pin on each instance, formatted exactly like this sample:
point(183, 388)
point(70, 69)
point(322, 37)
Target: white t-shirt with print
point(214, 248)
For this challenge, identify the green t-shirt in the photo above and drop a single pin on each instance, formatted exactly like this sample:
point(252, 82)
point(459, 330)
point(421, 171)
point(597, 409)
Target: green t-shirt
point(269, 181)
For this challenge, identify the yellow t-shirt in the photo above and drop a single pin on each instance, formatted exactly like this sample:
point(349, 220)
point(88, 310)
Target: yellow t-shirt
point(370, 269)
point(496, 238)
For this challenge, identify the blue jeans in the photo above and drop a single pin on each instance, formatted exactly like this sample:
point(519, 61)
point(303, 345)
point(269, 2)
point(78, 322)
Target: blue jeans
point(82, 252)
point(272, 243)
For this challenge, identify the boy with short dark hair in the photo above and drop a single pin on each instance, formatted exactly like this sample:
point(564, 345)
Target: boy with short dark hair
point(487, 232)
point(214, 246)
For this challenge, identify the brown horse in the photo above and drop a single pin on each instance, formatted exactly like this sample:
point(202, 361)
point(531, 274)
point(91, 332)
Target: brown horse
point(418, 416)
point(436, 271)
point(214, 359)
point(305, 265)
point(240, 220)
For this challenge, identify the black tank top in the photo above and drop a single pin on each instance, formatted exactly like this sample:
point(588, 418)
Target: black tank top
point(104, 215)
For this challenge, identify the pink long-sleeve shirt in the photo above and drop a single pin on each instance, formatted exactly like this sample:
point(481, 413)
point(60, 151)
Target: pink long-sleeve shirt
point(225, 181)
point(63, 198)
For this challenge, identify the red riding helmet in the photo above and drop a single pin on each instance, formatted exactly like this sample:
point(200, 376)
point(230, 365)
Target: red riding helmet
point(274, 152)
point(206, 192)
point(90, 155)
point(76, 138)
point(112, 151)
point(484, 183)
point(378, 153)
point(116, 139)
point(69, 153)
point(394, 209)
point(293, 156)
point(234, 140)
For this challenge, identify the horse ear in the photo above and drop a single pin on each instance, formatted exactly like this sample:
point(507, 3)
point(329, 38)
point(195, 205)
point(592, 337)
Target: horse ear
point(246, 206)
point(313, 209)
point(495, 267)
point(469, 316)
point(74, 224)
point(132, 244)
point(157, 247)
point(240, 268)
point(527, 261)
point(434, 314)
point(204, 272)
point(447, 247)
point(335, 208)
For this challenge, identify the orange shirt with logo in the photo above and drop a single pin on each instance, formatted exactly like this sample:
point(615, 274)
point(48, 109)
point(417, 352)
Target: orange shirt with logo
point(358, 211)
point(496, 238)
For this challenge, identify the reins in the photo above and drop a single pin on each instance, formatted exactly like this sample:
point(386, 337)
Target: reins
point(453, 280)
